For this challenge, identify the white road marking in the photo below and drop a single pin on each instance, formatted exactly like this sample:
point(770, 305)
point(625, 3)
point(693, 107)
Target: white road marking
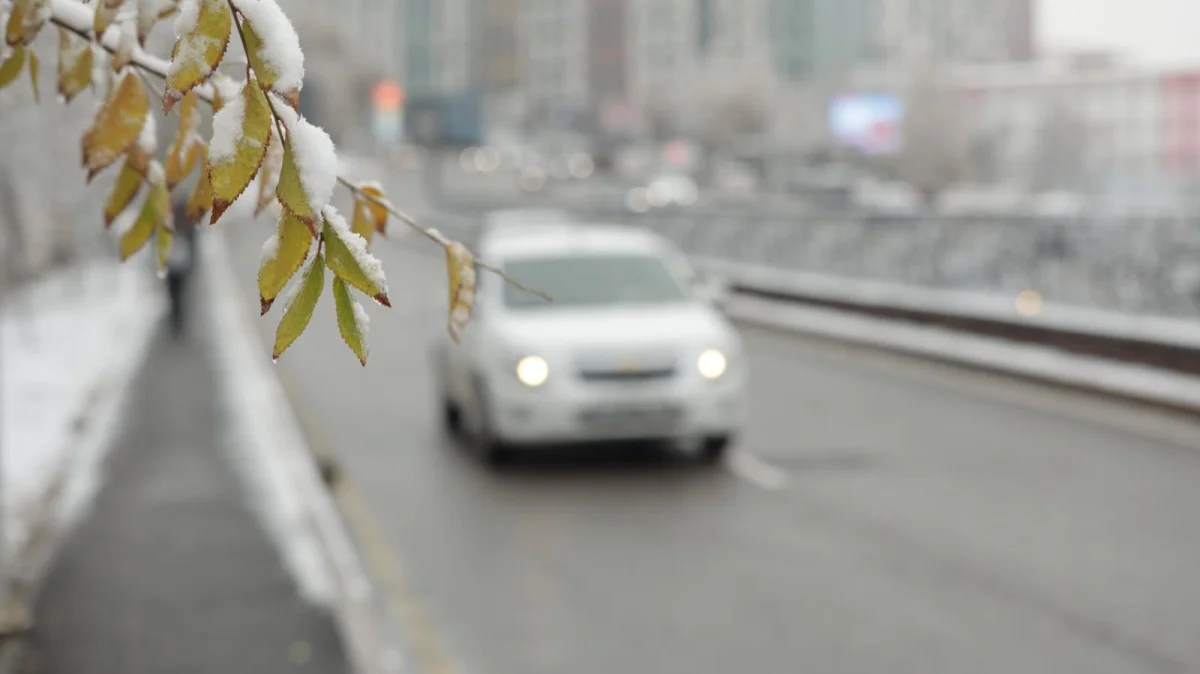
point(756, 471)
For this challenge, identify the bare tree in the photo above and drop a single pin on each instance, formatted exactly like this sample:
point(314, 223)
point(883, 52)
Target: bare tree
point(1058, 158)
point(934, 147)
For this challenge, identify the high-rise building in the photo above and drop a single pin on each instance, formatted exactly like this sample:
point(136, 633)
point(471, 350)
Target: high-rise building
point(607, 53)
point(494, 47)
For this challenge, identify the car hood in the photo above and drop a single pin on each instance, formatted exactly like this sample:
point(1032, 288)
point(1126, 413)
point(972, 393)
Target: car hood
point(574, 329)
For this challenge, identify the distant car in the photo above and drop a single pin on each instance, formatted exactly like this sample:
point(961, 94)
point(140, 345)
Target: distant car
point(631, 347)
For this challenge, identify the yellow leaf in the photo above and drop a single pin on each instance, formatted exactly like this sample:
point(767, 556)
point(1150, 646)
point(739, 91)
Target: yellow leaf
point(300, 310)
point(12, 66)
point(199, 49)
point(138, 234)
point(352, 320)
point(461, 267)
point(126, 187)
point(202, 197)
point(268, 175)
point(181, 156)
point(290, 190)
point(106, 12)
point(35, 70)
point(369, 216)
point(282, 257)
point(165, 238)
point(74, 64)
point(347, 256)
point(25, 21)
point(241, 133)
point(361, 223)
point(117, 125)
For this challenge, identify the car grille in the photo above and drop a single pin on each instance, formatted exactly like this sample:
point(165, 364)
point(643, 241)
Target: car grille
point(649, 374)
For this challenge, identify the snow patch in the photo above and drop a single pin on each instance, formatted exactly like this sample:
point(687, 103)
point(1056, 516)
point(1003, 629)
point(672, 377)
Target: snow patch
point(281, 46)
point(363, 322)
point(357, 245)
point(315, 155)
point(65, 344)
point(148, 139)
point(186, 17)
point(270, 249)
point(227, 127)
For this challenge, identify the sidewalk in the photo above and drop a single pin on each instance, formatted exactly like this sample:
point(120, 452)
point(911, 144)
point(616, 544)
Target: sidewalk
point(171, 571)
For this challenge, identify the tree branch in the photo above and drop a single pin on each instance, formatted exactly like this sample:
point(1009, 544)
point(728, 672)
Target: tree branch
point(77, 18)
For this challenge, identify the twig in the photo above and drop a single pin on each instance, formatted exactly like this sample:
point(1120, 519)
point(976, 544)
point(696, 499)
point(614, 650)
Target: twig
point(160, 72)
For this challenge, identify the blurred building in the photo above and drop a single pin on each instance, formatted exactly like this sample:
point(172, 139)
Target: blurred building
point(813, 37)
point(553, 44)
point(664, 39)
point(495, 55)
point(1128, 137)
point(955, 31)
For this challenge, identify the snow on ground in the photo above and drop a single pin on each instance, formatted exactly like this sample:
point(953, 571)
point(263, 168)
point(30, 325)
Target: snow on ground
point(66, 342)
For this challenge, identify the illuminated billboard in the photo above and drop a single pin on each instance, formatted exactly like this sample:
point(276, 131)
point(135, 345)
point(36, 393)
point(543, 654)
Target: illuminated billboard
point(867, 123)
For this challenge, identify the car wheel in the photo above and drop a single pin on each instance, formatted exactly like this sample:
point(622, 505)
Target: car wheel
point(491, 449)
point(714, 447)
point(451, 418)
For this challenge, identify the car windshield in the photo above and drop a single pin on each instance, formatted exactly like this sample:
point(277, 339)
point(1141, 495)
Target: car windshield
point(592, 280)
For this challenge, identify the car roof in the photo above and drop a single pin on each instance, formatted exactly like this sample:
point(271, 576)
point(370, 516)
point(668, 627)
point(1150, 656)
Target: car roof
point(570, 238)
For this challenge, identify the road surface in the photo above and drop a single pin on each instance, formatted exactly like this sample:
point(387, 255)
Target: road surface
point(880, 515)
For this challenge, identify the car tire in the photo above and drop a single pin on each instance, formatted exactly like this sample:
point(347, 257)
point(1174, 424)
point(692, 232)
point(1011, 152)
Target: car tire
point(713, 448)
point(492, 450)
point(451, 418)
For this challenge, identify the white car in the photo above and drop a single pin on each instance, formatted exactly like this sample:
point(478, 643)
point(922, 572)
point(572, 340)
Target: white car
point(630, 348)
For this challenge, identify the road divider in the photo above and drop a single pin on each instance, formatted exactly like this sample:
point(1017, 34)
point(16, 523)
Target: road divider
point(1149, 359)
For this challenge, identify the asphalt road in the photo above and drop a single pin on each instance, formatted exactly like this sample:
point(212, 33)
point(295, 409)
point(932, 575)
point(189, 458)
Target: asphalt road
point(880, 515)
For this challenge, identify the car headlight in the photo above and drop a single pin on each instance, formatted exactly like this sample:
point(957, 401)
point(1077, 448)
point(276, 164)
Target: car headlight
point(533, 371)
point(711, 364)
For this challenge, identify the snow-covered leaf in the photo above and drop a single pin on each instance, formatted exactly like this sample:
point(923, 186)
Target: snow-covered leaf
point(370, 216)
point(309, 171)
point(74, 64)
point(203, 28)
point(202, 196)
point(282, 256)
point(141, 152)
point(117, 125)
point(12, 65)
point(181, 156)
point(352, 320)
point(149, 13)
point(126, 187)
point(299, 309)
point(35, 71)
point(241, 132)
point(272, 48)
point(25, 21)
point(106, 13)
point(268, 175)
point(347, 256)
point(461, 267)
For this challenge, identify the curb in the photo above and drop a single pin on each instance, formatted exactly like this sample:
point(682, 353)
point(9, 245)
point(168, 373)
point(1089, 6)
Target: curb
point(295, 502)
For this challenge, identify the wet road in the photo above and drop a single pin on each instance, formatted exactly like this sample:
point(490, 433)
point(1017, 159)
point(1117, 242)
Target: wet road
point(880, 515)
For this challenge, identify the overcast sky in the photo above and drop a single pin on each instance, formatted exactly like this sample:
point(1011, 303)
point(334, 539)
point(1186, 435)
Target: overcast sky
point(1159, 31)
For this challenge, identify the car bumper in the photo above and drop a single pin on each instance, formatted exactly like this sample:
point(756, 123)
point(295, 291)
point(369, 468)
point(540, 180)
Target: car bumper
point(598, 413)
